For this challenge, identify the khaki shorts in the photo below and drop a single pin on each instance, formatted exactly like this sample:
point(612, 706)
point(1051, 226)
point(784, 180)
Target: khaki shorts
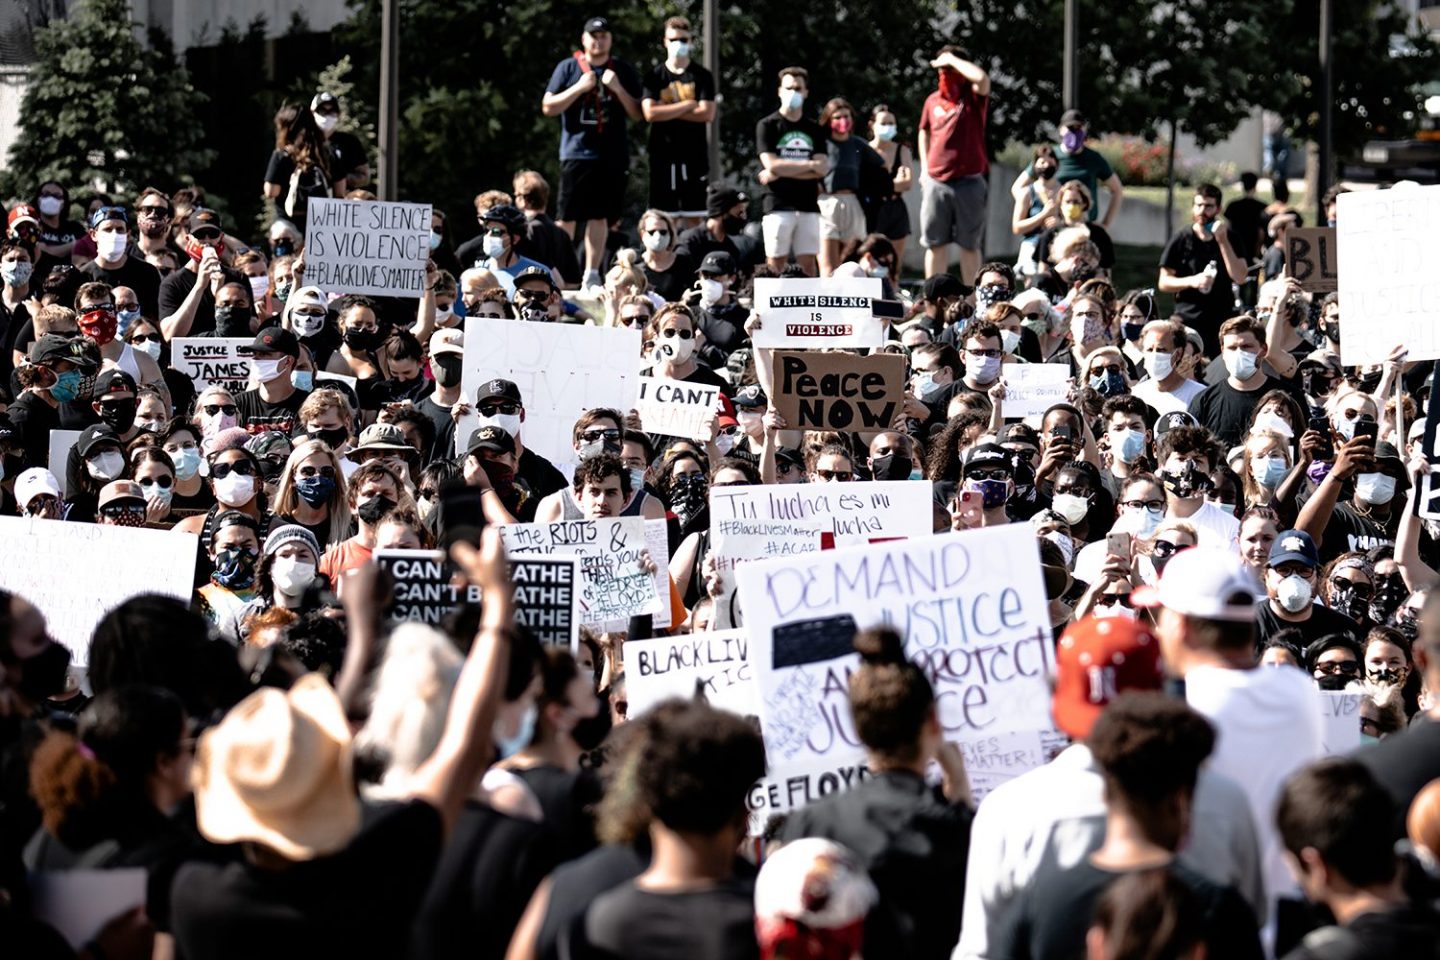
point(791, 232)
point(841, 217)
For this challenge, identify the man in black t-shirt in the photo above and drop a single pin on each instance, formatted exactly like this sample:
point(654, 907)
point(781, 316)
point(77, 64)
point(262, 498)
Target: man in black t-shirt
point(113, 264)
point(1199, 265)
point(275, 404)
point(1224, 408)
point(793, 153)
point(1291, 576)
point(348, 159)
point(679, 101)
point(187, 306)
point(1246, 217)
point(726, 213)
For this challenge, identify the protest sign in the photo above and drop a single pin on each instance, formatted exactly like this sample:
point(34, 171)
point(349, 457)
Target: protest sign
point(991, 761)
point(838, 391)
point(562, 370)
point(79, 903)
point(716, 663)
point(547, 598)
point(1033, 388)
point(677, 408)
point(1340, 720)
point(213, 362)
point(780, 520)
point(136, 560)
point(971, 607)
point(61, 442)
point(1310, 258)
point(815, 312)
point(372, 247)
point(614, 584)
point(423, 589)
point(1389, 273)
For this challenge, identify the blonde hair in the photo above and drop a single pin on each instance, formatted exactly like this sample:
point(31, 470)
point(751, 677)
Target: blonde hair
point(1169, 526)
point(627, 271)
point(1254, 493)
point(287, 498)
point(321, 400)
point(48, 317)
point(668, 220)
point(409, 704)
point(1074, 242)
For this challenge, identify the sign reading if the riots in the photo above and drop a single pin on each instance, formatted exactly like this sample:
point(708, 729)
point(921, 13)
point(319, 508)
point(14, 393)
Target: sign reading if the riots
point(838, 391)
point(213, 362)
point(971, 609)
point(614, 581)
point(815, 312)
point(1388, 268)
point(367, 246)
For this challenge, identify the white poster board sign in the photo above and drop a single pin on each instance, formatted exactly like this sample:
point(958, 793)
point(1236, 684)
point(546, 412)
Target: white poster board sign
point(1340, 720)
point(614, 583)
point(1388, 273)
point(971, 607)
point(717, 663)
point(372, 247)
point(562, 370)
point(61, 441)
point(677, 408)
point(1033, 388)
point(213, 361)
point(776, 520)
point(78, 903)
point(818, 312)
point(141, 561)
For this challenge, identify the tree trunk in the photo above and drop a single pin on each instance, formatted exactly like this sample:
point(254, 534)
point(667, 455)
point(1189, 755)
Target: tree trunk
point(1312, 184)
point(1170, 187)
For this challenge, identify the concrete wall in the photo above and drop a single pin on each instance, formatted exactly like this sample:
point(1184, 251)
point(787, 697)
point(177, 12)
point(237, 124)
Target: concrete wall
point(12, 90)
point(199, 22)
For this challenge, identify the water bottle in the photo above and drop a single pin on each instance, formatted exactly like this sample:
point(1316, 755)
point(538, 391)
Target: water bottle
point(1210, 272)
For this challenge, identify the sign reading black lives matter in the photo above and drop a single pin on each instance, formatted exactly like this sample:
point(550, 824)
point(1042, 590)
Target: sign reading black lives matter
point(546, 598)
point(810, 312)
point(367, 246)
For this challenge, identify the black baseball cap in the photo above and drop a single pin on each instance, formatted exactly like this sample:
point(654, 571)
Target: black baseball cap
point(493, 438)
point(498, 389)
point(943, 285)
point(536, 273)
point(276, 340)
point(203, 217)
point(717, 263)
point(749, 397)
point(52, 346)
point(720, 199)
point(790, 455)
point(114, 384)
point(95, 435)
point(986, 455)
point(597, 25)
point(1175, 418)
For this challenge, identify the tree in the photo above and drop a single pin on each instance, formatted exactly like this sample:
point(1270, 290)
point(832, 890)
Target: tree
point(103, 110)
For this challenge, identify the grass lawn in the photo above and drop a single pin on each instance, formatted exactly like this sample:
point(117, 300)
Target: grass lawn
point(1138, 267)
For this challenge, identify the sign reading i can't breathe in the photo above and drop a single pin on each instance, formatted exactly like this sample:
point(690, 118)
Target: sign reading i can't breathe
point(812, 312)
point(367, 246)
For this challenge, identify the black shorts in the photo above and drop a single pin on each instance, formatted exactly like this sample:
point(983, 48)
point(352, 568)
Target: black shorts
point(678, 186)
point(590, 190)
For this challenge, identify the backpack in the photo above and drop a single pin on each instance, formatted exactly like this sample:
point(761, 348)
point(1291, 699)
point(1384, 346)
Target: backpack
point(305, 183)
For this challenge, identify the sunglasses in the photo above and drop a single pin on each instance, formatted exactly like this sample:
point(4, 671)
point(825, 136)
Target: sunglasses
point(211, 409)
point(844, 476)
point(307, 472)
point(164, 483)
point(509, 408)
point(609, 433)
point(206, 235)
point(1113, 600)
point(657, 233)
point(1107, 368)
point(631, 320)
point(1338, 668)
point(1163, 549)
point(682, 334)
point(429, 493)
point(220, 471)
point(1361, 590)
point(995, 473)
point(158, 213)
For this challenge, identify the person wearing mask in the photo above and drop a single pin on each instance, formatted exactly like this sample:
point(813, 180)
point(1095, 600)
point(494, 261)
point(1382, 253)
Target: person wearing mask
point(1185, 457)
point(890, 217)
point(536, 298)
point(982, 352)
point(594, 94)
point(1165, 388)
point(667, 273)
point(1291, 576)
point(235, 481)
point(498, 403)
point(502, 227)
point(893, 457)
point(306, 315)
point(187, 295)
point(721, 318)
point(1073, 203)
point(363, 351)
point(1076, 161)
point(1199, 266)
point(57, 235)
point(678, 102)
point(1266, 722)
point(98, 318)
point(405, 385)
point(726, 213)
point(674, 332)
point(1124, 418)
point(374, 490)
point(842, 219)
point(37, 494)
point(1226, 407)
point(17, 303)
point(489, 466)
point(275, 403)
point(114, 403)
point(1334, 819)
point(121, 503)
point(598, 432)
point(180, 441)
point(793, 161)
point(1368, 518)
point(234, 551)
point(954, 163)
point(544, 241)
point(153, 219)
point(349, 162)
point(127, 310)
point(1264, 465)
point(447, 352)
point(287, 571)
point(986, 485)
point(113, 264)
point(300, 167)
point(311, 493)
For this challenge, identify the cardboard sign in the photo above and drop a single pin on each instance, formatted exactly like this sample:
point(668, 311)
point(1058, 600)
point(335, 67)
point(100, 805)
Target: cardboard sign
point(61, 442)
point(1389, 273)
point(677, 408)
point(562, 370)
point(838, 391)
point(39, 560)
point(78, 903)
point(782, 520)
point(614, 584)
point(972, 610)
point(717, 664)
point(1339, 720)
point(817, 313)
point(1310, 257)
point(213, 361)
point(1033, 388)
point(367, 246)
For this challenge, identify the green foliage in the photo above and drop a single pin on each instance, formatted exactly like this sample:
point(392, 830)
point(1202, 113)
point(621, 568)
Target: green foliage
point(103, 111)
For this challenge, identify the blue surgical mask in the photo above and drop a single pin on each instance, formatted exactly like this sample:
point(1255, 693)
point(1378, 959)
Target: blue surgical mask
point(124, 319)
point(66, 386)
point(494, 246)
point(1132, 445)
point(1268, 471)
point(791, 99)
point(524, 733)
point(187, 462)
point(303, 379)
point(434, 240)
point(885, 131)
point(679, 49)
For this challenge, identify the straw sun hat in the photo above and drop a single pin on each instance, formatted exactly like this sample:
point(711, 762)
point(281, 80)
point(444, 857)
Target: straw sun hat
point(276, 771)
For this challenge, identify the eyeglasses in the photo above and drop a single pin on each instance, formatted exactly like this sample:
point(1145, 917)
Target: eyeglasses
point(990, 352)
point(1163, 549)
point(844, 476)
point(1338, 668)
point(674, 332)
point(213, 408)
point(158, 213)
point(1142, 504)
point(164, 483)
point(1107, 368)
point(607, 433)
point(220, 471)
point(1361, 590)
point(307, 472)
point(507, 407)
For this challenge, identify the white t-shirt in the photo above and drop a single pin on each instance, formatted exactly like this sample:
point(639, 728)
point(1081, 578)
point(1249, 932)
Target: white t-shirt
point(1267, 726)
point(1163, 402)
point(1215, 526)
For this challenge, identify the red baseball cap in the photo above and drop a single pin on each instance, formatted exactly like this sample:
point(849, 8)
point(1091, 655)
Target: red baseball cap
point(1098, 659)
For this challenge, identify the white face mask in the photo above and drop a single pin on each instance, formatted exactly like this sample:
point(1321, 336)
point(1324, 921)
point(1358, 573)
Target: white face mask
point(307, 325)
point(1071, 507)
point(444, 317)
point(1376, 488)
point(259, 286)
point(1240, 364)
point(234, 489)
point(106, 466)
point(1294, 593)
point(327, 121)
point(150, 348)
point(1065, 543)
point(711, 291)
point(1160, 364)
point(292, 577)
point(675, 350)
point(886, 131)
point(160, 497)
point(187, 462)
point(655, 241)
point(789, 100)
point(267, 370)
point(1009, 341)
point(111, 246)
point(494, 247)
point(51, 206)
point(150, 426)
point(986, 371)
point(509, 422)
point(1345, 426)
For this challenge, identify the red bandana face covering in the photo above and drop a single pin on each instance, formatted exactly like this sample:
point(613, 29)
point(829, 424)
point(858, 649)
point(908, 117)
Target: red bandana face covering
point(128, 518)
point(99, 325)
point(951, 85)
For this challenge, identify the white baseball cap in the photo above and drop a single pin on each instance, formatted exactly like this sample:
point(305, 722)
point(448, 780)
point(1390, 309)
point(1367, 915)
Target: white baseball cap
point(1203, 582)
point(33, 482)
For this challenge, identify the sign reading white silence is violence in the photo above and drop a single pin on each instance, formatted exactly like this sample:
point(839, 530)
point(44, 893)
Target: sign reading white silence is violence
point(367, 246)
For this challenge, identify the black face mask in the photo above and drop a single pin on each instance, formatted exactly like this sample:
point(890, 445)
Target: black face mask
point(892, 466)
point(43, 675)
point(335, 438)
point(232, 321)
point(1347, 603)
point(1188, 483)
point(1334, 682)
point(373, 509)
point(282, 248)
point(118, 415)
point(1390, 592)
point(362, 339)
point(1407, 622)
point(1331, 330)
point(447, 369)
point(592, 731)
point(734, 225)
